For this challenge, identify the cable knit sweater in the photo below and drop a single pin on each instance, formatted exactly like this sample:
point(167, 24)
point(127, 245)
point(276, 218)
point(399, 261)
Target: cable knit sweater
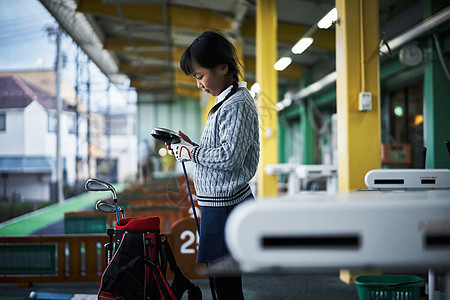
point(228, 153)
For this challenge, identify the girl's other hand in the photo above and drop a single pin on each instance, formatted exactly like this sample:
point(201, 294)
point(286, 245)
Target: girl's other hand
point(169, 149)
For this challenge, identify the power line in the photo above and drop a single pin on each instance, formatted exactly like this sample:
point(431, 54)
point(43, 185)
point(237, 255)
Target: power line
point(18, 39)
point(26, 27)
point(24, 18)
point(24, 33)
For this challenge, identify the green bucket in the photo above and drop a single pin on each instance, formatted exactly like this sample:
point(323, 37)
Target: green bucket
point(388, 287)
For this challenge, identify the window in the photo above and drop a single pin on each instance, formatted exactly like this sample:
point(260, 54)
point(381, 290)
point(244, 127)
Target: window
point(52, 121)
point(2, 121)
point(72, 124)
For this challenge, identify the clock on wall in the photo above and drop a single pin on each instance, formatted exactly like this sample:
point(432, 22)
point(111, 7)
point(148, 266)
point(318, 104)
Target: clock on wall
point(410, 55)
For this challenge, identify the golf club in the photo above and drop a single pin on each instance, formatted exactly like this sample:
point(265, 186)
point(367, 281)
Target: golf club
point(108, 207)
point(169, 136)
point(93, 184)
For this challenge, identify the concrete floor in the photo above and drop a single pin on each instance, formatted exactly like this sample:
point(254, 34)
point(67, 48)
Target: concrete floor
point(256, 287)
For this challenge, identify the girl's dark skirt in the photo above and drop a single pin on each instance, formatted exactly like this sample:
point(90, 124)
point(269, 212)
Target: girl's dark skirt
point(212, 244)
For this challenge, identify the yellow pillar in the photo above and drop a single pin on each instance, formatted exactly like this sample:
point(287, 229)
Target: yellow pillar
point(357, 66)
point(266, 76)
point(207, 102)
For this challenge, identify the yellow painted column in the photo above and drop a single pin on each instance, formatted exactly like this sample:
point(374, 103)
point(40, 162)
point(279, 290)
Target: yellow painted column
point(357, 66)
point(207, 102)
point(266, 76)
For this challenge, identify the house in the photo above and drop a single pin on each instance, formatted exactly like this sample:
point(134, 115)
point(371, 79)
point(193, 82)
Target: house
point(28, 140)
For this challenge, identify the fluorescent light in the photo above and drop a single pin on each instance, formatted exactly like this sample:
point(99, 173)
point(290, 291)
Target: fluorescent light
point(282, 63)
point(328, 20)
point(255, 88)
point(302, 45)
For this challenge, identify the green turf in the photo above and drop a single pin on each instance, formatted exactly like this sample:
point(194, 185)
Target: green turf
point(29, 223)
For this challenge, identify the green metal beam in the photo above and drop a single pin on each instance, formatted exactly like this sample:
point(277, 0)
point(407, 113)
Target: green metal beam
point(436, 101)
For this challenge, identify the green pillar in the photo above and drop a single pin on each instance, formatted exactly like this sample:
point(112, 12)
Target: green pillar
point(306, 128)
point(282, 157)
point(307, 134)
point(436, 99)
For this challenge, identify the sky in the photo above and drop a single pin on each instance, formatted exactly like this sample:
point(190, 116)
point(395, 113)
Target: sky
point(26, 45)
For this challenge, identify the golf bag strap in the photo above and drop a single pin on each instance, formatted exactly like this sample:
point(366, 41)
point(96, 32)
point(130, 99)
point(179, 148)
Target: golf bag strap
point(161, 282)
point(163, 286)
point(123, 269)
point(180, 282)
point(170, 258)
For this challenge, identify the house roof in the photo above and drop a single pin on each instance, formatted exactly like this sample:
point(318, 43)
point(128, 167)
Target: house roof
point(16, 164)
point(16, 93)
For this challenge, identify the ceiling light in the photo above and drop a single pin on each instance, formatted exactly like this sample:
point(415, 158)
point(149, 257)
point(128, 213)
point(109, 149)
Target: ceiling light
point(255, 88)
point(302, 45)
point(282, 63)
point(328, 20)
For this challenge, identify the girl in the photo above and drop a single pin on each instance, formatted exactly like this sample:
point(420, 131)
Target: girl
point(228, 153)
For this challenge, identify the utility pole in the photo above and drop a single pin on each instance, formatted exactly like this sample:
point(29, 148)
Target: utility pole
point(88, 87)
point(59, 171)
point(77, 118)
point(108, 130)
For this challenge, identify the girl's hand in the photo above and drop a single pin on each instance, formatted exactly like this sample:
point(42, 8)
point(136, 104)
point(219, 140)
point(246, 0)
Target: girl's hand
point(169, 149)
point(183, 136)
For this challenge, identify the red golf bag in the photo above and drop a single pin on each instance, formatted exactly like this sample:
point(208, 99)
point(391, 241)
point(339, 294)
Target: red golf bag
point(137, 270)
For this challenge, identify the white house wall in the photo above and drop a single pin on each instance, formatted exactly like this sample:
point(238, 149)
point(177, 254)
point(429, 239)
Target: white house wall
point(35, 130)
point(11, 140)
point(83, 145)
point(68, 147)
point(124, 149)
point(27, 135)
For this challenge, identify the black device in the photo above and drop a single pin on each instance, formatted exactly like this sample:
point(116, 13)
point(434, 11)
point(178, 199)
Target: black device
point(165, 135)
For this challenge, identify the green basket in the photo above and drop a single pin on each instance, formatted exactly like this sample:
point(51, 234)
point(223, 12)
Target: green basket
point(388, 287)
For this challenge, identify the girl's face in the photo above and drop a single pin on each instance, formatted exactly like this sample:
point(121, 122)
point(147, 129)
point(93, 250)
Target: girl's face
point(212, 80)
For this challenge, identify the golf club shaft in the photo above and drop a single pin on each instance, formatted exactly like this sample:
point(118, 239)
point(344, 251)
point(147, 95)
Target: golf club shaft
point(190, 197)
point(117, 211)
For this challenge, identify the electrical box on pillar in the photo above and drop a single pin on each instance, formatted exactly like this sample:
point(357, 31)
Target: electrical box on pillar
point(365, 101)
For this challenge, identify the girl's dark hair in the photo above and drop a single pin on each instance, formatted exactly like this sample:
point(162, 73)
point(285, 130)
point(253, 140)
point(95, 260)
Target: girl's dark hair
point(210, 49)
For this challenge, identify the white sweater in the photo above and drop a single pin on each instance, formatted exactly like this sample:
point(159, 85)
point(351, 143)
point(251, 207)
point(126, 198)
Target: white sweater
point(228, 153)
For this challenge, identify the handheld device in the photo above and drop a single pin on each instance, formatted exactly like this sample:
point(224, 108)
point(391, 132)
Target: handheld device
point(165, 135)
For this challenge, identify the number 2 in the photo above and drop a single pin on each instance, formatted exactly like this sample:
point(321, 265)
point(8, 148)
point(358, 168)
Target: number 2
point(190, 241)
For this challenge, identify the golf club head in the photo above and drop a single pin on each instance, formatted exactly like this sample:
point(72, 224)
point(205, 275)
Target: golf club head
point(165, 135)
point(94, 184)
point(105, 206)
point(108, 207)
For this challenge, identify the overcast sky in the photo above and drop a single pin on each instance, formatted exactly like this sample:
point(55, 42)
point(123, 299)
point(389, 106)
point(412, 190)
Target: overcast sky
point(26, 45)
